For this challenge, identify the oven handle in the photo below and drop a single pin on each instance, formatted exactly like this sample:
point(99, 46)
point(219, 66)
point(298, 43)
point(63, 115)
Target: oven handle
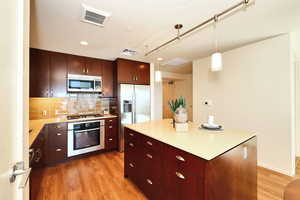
point(94, 129)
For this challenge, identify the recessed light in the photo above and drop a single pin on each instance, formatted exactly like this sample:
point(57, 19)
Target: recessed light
point(84, 43)
point(159, 59)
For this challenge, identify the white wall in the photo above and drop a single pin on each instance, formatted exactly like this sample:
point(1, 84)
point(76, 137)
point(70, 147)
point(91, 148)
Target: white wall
point(254, 91)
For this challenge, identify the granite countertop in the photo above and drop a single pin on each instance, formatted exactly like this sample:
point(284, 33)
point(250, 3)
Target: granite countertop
point(202, 143)
point(35, 126)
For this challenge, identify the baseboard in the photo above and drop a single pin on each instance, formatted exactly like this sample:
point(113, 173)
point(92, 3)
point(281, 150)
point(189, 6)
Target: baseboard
point(280, 171)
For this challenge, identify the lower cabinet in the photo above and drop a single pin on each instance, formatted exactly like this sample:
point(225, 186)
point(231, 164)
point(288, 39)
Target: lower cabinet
point(164, 172)
point(111, 134)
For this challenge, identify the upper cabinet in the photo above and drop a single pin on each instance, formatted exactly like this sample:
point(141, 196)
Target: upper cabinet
point(133, 72)
point(58, 75)
point(39, 73)
point(93, 67)
point(108, 79)
point(49, 71)
point(84, 66)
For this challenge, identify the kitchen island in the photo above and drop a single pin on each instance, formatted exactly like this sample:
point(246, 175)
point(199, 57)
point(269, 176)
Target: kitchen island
point(193, 165)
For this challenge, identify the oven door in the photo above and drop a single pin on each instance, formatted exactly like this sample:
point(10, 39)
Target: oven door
point(85, 141)
point(75, 85)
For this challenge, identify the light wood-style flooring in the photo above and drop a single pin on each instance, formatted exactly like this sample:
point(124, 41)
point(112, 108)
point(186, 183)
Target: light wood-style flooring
point(100, 177)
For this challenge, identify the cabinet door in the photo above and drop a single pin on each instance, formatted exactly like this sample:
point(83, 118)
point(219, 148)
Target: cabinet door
point(111, 134)
point(58, 74)
point(108, 78)
point(56, 147)
point(93, 67)
point(76, 65)
point(39, 73)
point(126, 71)
point(142, 73)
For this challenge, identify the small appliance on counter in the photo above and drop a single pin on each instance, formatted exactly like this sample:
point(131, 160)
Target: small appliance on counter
point(210, 125)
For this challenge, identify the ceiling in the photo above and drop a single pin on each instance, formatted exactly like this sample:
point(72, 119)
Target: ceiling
point(142, 25)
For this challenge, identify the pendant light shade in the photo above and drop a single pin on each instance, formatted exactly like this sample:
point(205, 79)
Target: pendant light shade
point(216, 62)
point(158, 76)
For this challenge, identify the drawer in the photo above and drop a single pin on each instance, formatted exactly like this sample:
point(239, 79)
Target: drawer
point(150, 184)
point(56, 154)
point(151, 145)
point(57, 139)
point(58, 128)
point(131, 170)
point(111, 121)
point(111, 143)
point(131, 135)
point(182, 160)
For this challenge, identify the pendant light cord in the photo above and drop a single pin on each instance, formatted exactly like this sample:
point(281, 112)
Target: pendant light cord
point(216, 18)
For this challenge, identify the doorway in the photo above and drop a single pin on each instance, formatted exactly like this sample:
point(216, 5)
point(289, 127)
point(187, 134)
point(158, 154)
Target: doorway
point(173, 89)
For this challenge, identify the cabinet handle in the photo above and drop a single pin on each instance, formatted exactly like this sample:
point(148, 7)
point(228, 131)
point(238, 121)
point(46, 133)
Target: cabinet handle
point(87, 70)
point(58, 134)
point(83, 70)
point(149, 155)
point(180, 158)
point(131, 134)
point(130, 144)
point(58, 150)
point(149, 143)
point(110, 139)
point(110, 127)
point(38, 153)
point(58, 126)
point(149, 181)
point(136, 78)
point(110, 120)
point(131, 165)
point(179, 175)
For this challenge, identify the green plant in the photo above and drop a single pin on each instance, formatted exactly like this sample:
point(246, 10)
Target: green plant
point(176, 104)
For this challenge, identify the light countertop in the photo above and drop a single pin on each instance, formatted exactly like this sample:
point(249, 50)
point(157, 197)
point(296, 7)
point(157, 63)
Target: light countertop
point(202, 143)
point(35, 126)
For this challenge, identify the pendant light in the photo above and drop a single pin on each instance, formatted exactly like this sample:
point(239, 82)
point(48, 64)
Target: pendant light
point(158, 77)
point(216, 58)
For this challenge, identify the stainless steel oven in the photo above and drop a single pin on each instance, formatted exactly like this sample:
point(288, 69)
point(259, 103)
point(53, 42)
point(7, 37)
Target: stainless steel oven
point(84, 137)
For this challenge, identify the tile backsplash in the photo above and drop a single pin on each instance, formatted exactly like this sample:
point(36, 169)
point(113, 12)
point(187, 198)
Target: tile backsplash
point(43, 108)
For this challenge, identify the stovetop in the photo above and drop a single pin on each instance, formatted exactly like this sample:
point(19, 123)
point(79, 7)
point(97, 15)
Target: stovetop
point(83, 116)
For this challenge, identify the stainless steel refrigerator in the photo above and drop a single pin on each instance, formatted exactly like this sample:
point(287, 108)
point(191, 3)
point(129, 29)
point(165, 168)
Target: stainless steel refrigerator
point(134, 106)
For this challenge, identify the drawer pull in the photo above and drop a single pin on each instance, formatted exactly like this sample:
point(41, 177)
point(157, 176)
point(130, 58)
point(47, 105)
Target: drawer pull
point(58, 126)
point(110, 127)
point(149, 155)
point(131, 134)
point(131, 165)
point(179, 175)
point(58, 150)
point(149, 181)
point(149, 143)
point(110, 120)
point(58, 134)
point(110, 139)
point(180, 158)
point(130, 144)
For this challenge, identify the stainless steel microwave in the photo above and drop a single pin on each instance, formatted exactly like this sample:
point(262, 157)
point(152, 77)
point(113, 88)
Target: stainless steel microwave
point(84, 83)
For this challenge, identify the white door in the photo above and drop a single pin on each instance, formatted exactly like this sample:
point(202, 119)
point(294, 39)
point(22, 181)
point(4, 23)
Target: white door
point(14, 44)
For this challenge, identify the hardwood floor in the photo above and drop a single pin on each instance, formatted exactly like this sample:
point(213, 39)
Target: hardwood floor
point(100, 177)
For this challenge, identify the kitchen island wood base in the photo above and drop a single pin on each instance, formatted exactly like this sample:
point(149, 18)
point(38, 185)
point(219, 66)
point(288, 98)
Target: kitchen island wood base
point(165, 172)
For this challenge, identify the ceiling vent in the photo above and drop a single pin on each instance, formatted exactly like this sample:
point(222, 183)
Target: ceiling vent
point(93, 16)
point(128, 52)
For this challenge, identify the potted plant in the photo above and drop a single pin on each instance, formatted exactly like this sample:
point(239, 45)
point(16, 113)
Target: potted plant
point(178, 108)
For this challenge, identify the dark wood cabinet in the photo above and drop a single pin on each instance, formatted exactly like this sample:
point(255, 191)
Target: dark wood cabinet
point(39, 73)
point(49, 71)
point(165, 172)
point(111, 134)
point(108, 79)
point(58, 75)
point(133, 72)
point(56, 146)
point(93, 67)
point(76, 65)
